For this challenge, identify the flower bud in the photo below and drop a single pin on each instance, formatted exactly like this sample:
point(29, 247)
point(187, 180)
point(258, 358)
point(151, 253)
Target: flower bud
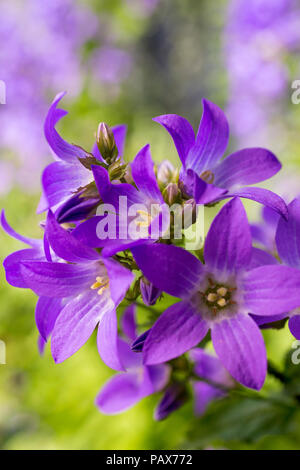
point(171, 193)
point(174, 397)
point(138, 344)
point(149, 292)
point(106, 143)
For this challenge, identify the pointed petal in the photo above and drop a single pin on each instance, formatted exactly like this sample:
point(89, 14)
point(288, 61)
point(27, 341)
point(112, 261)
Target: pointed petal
point(60, 147)
point(179, 271)
point(33, 242)
point(202, 192)
point(58, 279)
point(177, 330)
point(143, 175)
point(240, 346)
point(288, 236)
point(247, 166)
point(65, 245)
point(181, 132)
point(261, 258)
point(271, 290)
point(12, 265)
point(211, 140)
point(263, 196)
point(46, 313)
point(204, 394)
point(76, 322)
point(228, 245)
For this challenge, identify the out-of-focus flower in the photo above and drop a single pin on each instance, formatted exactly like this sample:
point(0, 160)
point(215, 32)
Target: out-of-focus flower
point(37, 60)
point(207, 178)
point(126, 389)
point(217, 296)
point(258, 35)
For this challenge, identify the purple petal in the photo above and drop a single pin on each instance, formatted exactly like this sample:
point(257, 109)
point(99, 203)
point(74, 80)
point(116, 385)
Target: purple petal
point(107, 341)
point(58, 279)
point(262, 320)
point(12, 265)
point(294, 326)
point(174, 398)
point(247, 166)
point(263, 196)
point(65, 245)
point(120, 393)
point(211, 140)
point(76, 208)
point(240, 346)
point(120, 279)
point(60, 180)
point(181, 132)
point(271, 290)
point(179, 271)
point(76, 322)
point(159, 375)
point(204, 394)
point(177, 330)
point(41, 343)
point(261, 258)
point(208, 366)
point(60, 147)
point(143, 175)
point(228, 242)
point(288, 236)
point(46, 313)
point(33, 242)
point(128, 322)
point(202, 192)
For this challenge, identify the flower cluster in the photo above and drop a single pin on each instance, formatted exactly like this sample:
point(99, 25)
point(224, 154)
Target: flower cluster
point(110, 243)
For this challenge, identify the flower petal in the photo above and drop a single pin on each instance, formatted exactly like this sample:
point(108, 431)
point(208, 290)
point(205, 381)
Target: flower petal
point(263, 196)
point(33, 242)
point(211, 140)
point(181, 132)
point(76, 322)
point(247, 166)
point(51, 279)
point(240, 346)
point(60, 147)
point(228, 245)
point(65, 245)
point(177, 330)
point(120, 279)
point(204, 394)
point(261, 258)
point(142, 169)
point(294, 326)
point(128, 322)
point(120, 393)
point(12, 265)
point(179, 271)
point(46, 313)
point(107, 341)
point(60, 180)
point(288, 236)
point(271, 290)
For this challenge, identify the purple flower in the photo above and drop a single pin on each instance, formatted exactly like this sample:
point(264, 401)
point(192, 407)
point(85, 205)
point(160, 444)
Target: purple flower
point(127, 388)
point(67, 175)
point(288, 246)
point(264, 232)
point(217, 296)
point(78, 291)
point(209, 179)
point(207, 366)
point(139, 215)
point(149, 292)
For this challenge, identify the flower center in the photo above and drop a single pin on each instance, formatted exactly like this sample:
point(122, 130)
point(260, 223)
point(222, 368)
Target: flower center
point(207, 176)
point(102, 283)
point(144, 219)
point(215, 299)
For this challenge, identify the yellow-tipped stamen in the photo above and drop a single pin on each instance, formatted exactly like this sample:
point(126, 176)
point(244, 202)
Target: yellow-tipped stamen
point(222, 291)
point(101, 283)
point(212, 297)
point(221, 302)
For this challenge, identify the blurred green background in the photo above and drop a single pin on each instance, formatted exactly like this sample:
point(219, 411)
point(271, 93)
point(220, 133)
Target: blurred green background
point(177, 50)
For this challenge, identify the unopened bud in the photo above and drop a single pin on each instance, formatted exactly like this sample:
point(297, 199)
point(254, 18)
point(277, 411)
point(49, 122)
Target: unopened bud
point(171, 193)
point(106, 143)
point(174, 397)
point(149, 292)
